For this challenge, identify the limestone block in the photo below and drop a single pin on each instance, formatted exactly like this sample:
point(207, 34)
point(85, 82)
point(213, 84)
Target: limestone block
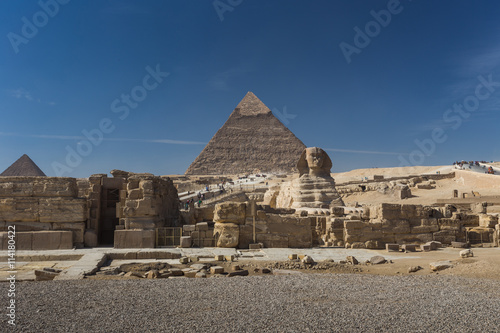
point(389, 211)
point(392, 247)
point(19, 209)
point(470, 220)
point(374, 244)
point(445, 236)
point(77, 228)
point(450, 224)
point(487, 221)
point(409, 247)
point(424, 229)
point(14, 187)
point(134, 238)
point(28, 226)
point(273, 240)
point(216, 270)
point(43, 275)
point(90, 238)
point(52, 240)
point(425, 247)
point(24, 240)
point(147, 186)
point(481, 235)
point(147, 222)
point(230, 212)
point(435, 245)
point(55, 187)
point(422, 238)
point(466, 253)
point(358, 245)
point(135, 194)
point(62, 210)
point(188, 228)
point(348, 225)
point(227, 234)
point(186, 241)
point(400, 227)
point(208, 242)
point(411, 238)
point(144, 207)
point(202, 226)
point(440, 265)
point(377, 260)
point(458, 245)
point(337, 211)
point(242, 272)
point(133, 183)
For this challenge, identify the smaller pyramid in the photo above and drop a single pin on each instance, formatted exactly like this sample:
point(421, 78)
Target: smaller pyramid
point(24, 167)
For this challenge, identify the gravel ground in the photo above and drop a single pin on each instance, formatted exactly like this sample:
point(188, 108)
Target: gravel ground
point(303, 303)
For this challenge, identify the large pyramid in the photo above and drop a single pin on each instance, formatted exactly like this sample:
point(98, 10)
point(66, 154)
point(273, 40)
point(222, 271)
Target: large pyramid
point(252, 140)
point(24, 166)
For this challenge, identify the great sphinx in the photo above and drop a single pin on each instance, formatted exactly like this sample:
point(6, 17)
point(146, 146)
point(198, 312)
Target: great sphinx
point(313, 190)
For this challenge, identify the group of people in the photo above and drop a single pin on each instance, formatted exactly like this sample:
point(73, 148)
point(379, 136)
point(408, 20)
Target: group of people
point(462, 165)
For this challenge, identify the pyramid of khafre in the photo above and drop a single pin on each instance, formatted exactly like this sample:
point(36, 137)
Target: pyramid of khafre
point(24, 166)
point(252, 140)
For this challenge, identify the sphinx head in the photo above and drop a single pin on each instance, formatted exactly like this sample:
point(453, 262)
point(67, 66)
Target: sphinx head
point(315, 162)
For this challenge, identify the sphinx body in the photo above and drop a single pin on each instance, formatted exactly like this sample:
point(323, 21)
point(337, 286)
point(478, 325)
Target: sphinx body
point(313, 190)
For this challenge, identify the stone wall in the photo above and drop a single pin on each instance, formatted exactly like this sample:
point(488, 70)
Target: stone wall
point(202, 234)
point(146, 202)
point(373, 227)
point(45, 206)
point(234, 226)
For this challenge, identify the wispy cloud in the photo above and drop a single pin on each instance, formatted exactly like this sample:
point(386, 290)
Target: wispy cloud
point(78, 138)
point(22, 93)
point(362, 151)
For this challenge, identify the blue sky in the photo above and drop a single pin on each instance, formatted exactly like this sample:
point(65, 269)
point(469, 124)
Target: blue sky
point(383, 97)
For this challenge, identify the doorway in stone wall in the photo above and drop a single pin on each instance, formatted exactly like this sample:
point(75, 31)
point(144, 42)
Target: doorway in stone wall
point(109, 199)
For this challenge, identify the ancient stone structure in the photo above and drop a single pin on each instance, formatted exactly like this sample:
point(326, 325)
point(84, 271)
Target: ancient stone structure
point(252, 140)
point(235, 223)
point(375, 226)
point(313, 191)
point(59, 213)
point(25, 167)
point(147, 202)
point(46, 211)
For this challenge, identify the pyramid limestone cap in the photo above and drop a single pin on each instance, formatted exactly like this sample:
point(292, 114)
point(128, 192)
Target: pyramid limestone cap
point(251, 105)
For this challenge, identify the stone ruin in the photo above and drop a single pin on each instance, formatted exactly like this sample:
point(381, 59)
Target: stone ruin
point(128, 209)
point(308, 211)
point(375, 226)
point(241, 224)
point(62, 213)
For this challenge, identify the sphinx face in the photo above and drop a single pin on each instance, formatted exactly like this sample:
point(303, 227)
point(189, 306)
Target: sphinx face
point(314, 158)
